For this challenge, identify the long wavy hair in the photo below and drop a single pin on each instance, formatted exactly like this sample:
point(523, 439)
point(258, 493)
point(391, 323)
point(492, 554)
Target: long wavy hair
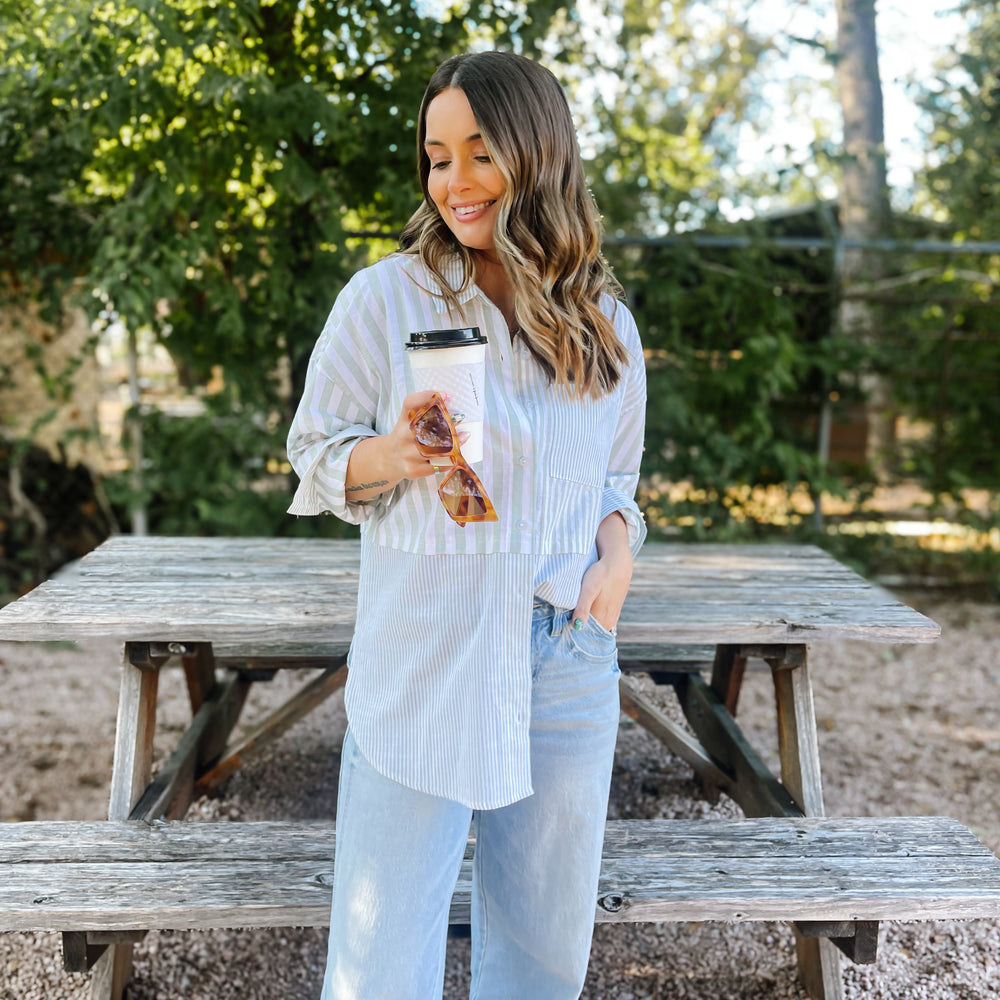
point(548, 230)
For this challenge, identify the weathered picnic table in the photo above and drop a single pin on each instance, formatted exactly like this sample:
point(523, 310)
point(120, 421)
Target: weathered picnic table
point(234, 611)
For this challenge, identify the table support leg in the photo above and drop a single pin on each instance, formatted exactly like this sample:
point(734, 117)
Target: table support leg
point(133, 761)
point(199, 672)
point(797, 744)
point(818, 958)
point(133, 764)
point(728, 669)
point(727, 675)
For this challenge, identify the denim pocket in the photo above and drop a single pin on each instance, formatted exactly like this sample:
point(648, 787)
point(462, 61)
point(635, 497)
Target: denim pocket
point(593, 641)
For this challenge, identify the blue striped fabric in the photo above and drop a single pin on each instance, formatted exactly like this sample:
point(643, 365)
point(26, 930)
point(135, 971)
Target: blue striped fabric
point(439, 688)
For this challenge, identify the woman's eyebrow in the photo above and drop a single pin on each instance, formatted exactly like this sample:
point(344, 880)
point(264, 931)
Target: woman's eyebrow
point(475, 137)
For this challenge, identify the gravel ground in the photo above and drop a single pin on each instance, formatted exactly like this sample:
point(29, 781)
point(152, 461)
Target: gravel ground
point(904, 730)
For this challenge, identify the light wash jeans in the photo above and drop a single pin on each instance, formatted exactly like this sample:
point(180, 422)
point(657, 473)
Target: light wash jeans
point(536, 864)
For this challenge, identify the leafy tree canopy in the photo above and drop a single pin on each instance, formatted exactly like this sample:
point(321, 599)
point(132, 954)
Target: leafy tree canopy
point(663, 89)
point(959, 398)
point(964, 107)
point(202, 162)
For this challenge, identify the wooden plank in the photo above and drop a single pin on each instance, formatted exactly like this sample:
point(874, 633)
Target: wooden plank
point(819, 968)
point(112, 972)
point(282, 893)
point(729, 665)
point(261, 591)
point(898, 836)
point(83, 949)
point(921, 837)
point(133, 755)
point(666, 656)
point(79, 955)
point(856, 939)
point(130, 774)
point(868, 873)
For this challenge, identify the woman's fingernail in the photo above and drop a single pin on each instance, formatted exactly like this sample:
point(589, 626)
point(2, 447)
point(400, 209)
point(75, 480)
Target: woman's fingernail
point(578, 624)
point(457, 418)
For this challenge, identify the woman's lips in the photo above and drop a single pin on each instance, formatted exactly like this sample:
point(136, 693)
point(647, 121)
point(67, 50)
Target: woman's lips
point(469, 213)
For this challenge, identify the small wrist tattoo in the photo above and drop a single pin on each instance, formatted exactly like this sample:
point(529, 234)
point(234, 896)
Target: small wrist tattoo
point(365, 486)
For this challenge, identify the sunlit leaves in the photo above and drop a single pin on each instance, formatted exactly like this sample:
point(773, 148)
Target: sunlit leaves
point(661, 88)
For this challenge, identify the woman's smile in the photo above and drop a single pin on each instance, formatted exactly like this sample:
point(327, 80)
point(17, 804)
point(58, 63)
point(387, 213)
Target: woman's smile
point(468, 212)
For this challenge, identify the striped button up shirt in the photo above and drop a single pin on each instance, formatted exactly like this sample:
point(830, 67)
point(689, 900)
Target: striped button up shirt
point(438, 695)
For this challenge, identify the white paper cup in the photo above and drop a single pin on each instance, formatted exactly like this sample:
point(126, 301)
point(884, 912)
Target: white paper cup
point(453, 362)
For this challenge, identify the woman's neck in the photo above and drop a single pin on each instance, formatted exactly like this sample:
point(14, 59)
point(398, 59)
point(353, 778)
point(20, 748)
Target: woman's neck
point(494, 283)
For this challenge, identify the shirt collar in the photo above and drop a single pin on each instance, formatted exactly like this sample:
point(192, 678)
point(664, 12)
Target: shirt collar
point(453, 274)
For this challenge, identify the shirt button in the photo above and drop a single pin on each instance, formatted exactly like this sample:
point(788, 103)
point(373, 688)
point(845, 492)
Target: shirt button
point(523, 525)
point(522, 460)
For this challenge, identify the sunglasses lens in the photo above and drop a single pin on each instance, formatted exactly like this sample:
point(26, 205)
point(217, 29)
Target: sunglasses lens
point(462, 495)
point(433, 432)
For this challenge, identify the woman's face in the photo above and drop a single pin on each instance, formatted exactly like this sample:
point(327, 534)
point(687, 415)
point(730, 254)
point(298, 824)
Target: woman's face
point(463, 181)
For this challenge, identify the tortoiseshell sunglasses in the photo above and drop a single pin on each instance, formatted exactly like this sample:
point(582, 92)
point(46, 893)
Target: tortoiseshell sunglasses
point(461, 492)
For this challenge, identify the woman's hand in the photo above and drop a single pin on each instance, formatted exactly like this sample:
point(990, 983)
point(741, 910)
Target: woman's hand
point(606, 582)
point(378, 463)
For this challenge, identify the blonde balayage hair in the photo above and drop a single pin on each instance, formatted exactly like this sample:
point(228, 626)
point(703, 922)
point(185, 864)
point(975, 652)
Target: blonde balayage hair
point(548, 231)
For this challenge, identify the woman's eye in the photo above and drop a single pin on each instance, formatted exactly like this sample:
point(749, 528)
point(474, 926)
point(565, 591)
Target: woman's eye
point(483, 159)
point(439, 164)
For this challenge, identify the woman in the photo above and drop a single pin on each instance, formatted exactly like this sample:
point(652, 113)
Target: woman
point(483, 672)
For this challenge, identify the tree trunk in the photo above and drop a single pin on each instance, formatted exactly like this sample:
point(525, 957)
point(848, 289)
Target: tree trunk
point(864, 203)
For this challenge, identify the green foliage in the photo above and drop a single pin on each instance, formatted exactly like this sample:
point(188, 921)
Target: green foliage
point(963, 101)
point(944, 350)
point(664, 106)
point(211, 158)
point(201, 167)
point(46, 236)
point(217, 473)
point(740, 355)
point(951, 327)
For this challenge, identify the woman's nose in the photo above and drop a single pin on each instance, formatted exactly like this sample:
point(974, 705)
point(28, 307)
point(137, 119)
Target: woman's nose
point(458, 179)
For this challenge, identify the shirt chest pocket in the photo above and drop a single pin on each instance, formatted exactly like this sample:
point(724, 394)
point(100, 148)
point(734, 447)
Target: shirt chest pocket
point(578, 441)
point(576, 449)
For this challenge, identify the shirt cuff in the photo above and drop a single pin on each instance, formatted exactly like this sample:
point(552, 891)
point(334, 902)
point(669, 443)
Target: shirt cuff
point(321, 488)
point(615, 500)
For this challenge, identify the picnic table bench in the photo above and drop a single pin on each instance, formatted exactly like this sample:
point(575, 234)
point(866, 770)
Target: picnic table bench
point(233, 611)
point(109, 882)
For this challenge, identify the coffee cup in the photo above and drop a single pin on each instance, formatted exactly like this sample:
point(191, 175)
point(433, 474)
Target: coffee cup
point(453, 362)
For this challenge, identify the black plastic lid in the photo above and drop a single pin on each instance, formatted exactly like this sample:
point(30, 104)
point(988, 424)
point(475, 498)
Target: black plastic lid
point(426, 340)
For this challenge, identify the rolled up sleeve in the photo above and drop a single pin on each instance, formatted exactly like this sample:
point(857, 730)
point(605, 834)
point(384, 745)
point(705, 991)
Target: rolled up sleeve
point(339, 408)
